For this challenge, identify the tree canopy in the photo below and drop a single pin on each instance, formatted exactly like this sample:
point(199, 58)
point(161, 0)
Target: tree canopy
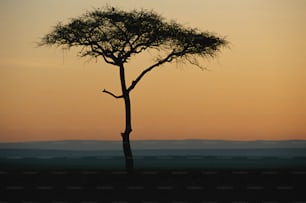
point(117, 35)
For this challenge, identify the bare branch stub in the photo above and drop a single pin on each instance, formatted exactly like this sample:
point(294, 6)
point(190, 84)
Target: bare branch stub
point(112, 94)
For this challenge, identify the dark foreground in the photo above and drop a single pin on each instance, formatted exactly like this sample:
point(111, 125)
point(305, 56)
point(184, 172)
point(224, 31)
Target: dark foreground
point(265, 175)
point(150, 186)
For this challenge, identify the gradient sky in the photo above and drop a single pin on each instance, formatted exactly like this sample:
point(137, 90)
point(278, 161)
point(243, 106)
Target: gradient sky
point(255, 89)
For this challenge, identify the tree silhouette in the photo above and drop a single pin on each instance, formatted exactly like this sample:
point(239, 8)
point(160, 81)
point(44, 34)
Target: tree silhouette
point(117, 35)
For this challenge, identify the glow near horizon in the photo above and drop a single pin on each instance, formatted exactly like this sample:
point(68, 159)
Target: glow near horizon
point(255, 90)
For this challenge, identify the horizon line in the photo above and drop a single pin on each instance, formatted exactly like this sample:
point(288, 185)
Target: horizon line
point(191, 139)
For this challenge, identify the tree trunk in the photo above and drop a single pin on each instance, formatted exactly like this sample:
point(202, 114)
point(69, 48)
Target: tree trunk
point(129, 163)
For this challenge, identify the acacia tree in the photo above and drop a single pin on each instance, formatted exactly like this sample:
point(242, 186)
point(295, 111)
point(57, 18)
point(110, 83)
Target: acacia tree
point(117, 35)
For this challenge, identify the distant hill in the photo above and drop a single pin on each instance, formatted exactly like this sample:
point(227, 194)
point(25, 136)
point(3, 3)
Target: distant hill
point(92, 145)
point(92, 154)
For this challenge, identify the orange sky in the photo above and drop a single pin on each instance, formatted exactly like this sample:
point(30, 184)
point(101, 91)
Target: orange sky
point(255, 89)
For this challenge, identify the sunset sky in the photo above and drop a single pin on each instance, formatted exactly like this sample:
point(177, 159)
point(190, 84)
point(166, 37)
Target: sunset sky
point(255, 89)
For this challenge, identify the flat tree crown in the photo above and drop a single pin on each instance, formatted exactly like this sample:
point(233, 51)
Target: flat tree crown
point(116, 35)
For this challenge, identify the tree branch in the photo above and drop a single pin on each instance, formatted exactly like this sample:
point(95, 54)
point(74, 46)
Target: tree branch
point(102, 53)
point(112, 94)
point(143, 73)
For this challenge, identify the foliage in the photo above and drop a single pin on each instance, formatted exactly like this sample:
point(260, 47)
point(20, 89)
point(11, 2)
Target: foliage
point(117, 35)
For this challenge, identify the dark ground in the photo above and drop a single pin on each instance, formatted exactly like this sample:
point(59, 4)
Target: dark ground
point(235, 175)
point(148, 186)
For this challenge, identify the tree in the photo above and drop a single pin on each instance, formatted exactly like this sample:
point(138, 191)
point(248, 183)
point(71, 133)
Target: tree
point(117, 35)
